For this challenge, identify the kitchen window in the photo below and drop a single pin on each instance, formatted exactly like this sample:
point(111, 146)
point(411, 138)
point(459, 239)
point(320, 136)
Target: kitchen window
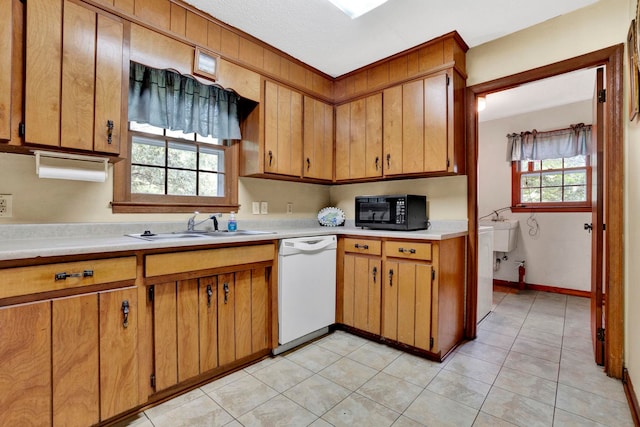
point(552, 185)
point(170, 171)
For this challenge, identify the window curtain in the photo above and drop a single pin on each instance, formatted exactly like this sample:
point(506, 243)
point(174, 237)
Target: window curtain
point(534, 145)
point(170, 100)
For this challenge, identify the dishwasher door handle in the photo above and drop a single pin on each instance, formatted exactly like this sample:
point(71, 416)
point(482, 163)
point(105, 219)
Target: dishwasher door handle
point(312, 245)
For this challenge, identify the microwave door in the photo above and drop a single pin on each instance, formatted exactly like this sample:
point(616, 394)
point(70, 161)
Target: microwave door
point(375, 213)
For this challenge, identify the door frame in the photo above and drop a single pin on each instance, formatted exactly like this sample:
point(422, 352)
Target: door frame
point(612, 58)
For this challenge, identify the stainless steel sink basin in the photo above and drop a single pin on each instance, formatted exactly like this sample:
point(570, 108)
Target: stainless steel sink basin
point(203, 234)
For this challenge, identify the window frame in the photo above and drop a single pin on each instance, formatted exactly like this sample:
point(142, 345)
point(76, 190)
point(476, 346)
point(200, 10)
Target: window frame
point(518, 206)
point(124, 201)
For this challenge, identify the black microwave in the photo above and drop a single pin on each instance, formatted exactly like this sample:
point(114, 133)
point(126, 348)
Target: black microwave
point(404, 212)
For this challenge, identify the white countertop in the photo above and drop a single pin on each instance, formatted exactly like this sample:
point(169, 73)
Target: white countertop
point(33, 240)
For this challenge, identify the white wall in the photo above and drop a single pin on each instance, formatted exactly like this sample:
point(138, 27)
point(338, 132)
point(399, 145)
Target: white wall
point(559, 253)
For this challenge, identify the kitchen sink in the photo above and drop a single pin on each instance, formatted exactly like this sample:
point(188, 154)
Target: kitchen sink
point(202, 234)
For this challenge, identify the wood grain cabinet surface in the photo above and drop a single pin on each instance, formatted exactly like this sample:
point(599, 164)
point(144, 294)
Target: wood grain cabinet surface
point(74, 77)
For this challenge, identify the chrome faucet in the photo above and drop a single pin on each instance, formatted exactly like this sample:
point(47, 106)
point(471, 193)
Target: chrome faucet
point(192, 224)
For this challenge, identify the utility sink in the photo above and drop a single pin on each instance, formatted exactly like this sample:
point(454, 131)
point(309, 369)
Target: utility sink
point(505, 233)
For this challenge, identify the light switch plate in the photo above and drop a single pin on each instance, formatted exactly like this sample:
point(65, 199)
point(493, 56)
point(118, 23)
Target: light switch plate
point(255, 208)
point(289, 208)
point(264, 208)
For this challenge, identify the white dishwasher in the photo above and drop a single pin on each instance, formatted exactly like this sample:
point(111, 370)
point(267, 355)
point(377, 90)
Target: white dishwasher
point(306, 289)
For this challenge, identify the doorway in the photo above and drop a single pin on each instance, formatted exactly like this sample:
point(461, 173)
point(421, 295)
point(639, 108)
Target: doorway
point(611, 58)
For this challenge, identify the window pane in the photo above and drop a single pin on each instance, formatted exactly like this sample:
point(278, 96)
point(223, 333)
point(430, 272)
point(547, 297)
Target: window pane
point(552, 164)
point(536, 165)
point(181, 183)
point(147, 151)
point(530, 195)
point(576, 193)
point(208, 139)
point(211, 160)
point(551, 194)
point(146, 180)
point(550, 179)
point(575, 162)
point(211, 185)
point(147, 128)
point(182, 156)
point(575, 178)
point(180, 134)
point(530, 180)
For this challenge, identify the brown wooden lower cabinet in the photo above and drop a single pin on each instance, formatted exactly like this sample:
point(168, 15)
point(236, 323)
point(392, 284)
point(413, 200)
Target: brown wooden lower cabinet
point(410, 292)
point(204, 323)
point(69, 361)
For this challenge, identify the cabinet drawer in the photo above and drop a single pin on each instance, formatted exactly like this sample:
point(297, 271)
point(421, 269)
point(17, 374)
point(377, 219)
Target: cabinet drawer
point(362, 246)
point(53, 277)
point(183, 262)
point(409, 250)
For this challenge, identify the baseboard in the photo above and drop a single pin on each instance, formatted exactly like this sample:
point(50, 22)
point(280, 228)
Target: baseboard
point(632, 399)
point(543, 288)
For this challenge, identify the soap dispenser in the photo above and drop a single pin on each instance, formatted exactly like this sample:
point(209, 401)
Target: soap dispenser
point(232, 225)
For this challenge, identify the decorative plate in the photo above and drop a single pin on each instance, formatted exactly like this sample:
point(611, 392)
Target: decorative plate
point(331, 217)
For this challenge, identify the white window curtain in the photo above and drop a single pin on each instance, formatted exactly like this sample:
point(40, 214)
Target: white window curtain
point(170, 100)
point(534, 145)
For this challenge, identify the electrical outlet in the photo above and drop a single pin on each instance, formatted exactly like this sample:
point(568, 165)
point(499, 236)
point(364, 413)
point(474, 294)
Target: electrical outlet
point(255, 208)
point(6, 205)
point(264, 208)
point(289, 208)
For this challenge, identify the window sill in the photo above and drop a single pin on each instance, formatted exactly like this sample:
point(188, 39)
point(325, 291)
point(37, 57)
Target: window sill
point(142, 207)
point(550, 208)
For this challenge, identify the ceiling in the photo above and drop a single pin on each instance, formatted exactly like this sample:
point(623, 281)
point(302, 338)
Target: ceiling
point(317, 33)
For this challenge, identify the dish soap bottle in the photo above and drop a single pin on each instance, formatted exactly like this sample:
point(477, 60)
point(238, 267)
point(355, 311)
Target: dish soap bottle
point(232, 225)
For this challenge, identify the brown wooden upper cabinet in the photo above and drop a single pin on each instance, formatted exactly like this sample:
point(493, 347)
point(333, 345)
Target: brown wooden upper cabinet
point(282, 130)
point(419, 134)
point(74, 81)
point(318, 140)
point(359, 139)
point(6, 32)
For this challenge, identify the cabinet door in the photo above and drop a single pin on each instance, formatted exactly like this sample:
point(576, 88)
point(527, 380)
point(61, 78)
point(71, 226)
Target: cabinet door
point(359, 138)
point(75, 361)
point(78, 76)
point(392, 116)
point(118, 351)
point(283, 130)
point(188, 330)
point(108, 86)
point(43, 72)
point(165, 334)
point(407, 303)
point(318, 140)
point(436, 134)
point(361, 293)
point(25, 365)
point(208, 302)
point(226, 319)
point(6, 34)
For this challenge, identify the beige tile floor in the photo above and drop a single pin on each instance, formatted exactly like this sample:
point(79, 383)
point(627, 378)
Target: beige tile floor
point(531, 365)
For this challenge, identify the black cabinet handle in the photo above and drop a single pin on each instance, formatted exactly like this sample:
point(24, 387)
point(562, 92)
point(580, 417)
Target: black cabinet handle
point(270, 157)
point(125, 313)
point(308, 164)
point(64, 275)
point(374, 272)
point(391, 277)
point(411, 251)
point(388, 160)
point(359, 246)
point(226, 292)
point(209, 295)
point(109, 131)
point(377, 162)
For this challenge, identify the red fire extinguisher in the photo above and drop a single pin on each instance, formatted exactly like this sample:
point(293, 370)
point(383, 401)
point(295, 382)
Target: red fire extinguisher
point(521, 271)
